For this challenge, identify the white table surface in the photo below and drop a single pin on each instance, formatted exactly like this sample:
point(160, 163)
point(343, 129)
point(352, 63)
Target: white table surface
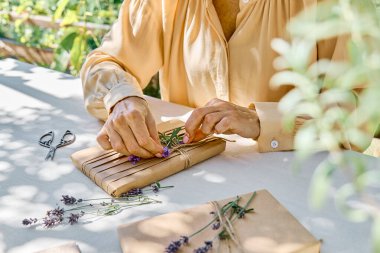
point(35, 100)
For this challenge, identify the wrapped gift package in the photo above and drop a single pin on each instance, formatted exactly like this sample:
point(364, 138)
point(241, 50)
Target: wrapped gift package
point(270, 228)
point(115, 174)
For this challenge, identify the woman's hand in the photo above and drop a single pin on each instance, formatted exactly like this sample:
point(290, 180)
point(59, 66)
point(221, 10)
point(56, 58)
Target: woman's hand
point(221, 117)
point(131, 129)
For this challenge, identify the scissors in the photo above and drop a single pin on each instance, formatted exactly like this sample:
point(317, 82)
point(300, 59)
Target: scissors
point(47, 139)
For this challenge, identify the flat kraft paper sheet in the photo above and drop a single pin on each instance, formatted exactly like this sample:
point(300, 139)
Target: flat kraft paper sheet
point(270, 229)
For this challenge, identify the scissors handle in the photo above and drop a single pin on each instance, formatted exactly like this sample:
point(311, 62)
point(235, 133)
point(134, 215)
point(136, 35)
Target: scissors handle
point(46, 139)
point(67, 139)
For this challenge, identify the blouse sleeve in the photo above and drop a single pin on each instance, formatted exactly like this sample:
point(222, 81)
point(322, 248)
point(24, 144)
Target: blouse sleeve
point(130, 54)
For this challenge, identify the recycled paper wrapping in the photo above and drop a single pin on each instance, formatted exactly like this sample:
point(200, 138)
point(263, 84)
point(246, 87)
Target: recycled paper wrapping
point(116, 175)
point(269, 229)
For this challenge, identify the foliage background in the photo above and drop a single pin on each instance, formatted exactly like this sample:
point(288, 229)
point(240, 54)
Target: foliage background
point(339, 99)
point(69, 43)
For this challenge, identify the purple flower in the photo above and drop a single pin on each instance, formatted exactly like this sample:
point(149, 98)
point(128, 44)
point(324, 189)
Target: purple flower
point(174, 246)
point(104, 203)
point(216, 225)
point(132, 193)
point(69, 200)
point(73, 218)
point(29, 221)
point(51, 221)
point(185, 239)
point(166, 152)
point(155, 188)
point(59, 212)
point(134, 159)
point(205, 248)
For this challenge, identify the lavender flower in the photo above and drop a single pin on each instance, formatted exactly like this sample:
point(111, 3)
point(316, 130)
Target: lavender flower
point(29, 221)
point(69, 200)
point(156, 187)
point(132, 193)
point(73, 218)
point(59, 212)
point(134, 159)
point(52, 221)
point(174, 246)
point(205, 248)
point(216, 225)
point(166, 152)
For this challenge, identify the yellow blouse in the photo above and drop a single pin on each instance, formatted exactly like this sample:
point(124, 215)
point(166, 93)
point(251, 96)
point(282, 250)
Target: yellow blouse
point(184, 41)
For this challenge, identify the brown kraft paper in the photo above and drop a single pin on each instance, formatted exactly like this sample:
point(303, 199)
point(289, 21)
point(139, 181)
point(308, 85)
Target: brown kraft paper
point(269, 229)
point(114, 174)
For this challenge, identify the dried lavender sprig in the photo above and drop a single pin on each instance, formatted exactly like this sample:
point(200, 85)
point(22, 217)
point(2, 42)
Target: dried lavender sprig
point(57, 216)
point(174, 246)
point(205, 248)
point(224, 209)
point(29, 221)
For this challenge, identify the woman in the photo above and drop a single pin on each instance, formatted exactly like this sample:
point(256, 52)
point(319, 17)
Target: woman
point(214, 55)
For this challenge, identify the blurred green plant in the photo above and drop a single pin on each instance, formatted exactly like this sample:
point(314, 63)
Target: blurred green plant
point(70, 43)
point(340, 99)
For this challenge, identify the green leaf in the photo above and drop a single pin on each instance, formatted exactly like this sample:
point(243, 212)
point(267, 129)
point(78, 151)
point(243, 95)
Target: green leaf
point(70, 18)
point(60, 8)
point(320, 184)
point(281, 46)
point(76, 52)
point(359, 138)
point(67, 40)
point(354, 214)
point(376, 234)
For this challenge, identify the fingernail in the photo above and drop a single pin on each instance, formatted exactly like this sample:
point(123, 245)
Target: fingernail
point(159, 155)
point(185, 139)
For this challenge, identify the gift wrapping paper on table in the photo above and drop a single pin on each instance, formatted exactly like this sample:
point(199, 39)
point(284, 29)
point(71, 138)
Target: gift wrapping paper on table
point(116, 174)
point(269, 228)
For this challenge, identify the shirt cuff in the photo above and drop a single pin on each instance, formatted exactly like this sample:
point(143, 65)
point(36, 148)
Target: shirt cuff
point(120, 92)
point(273, 137)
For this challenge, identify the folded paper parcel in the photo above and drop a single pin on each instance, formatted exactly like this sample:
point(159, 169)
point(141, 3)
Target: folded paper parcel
point(269, 229)
point(116, 175)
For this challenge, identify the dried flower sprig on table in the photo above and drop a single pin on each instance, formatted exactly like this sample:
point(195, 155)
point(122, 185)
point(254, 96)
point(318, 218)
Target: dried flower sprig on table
point(94, 207)
point(229, 212)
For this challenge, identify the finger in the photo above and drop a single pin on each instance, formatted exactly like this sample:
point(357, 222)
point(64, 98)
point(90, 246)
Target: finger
point(116, 141)
point(131, 143)
point(103, 139)
point(199, 135)
point(152, 128)
point(210, 120)
point(224, 126)
point(143, 138)
point(196, 118)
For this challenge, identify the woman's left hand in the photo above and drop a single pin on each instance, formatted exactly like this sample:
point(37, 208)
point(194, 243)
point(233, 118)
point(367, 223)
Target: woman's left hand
point(221, 117)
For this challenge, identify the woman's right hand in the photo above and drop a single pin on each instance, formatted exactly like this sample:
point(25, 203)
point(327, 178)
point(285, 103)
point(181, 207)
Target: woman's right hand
point(131, 129)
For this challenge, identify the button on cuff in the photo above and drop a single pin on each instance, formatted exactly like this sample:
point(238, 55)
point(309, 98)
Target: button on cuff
point(274, 144)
